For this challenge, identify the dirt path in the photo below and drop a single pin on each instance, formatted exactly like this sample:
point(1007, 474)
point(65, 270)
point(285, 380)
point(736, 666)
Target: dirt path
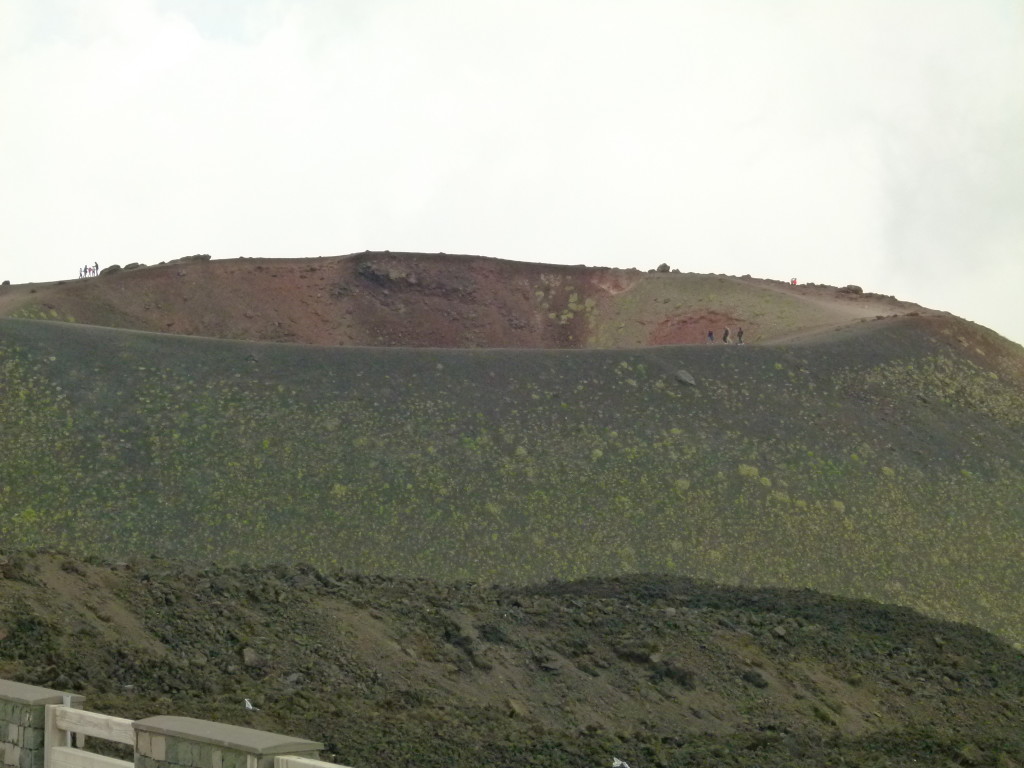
point(851, 308)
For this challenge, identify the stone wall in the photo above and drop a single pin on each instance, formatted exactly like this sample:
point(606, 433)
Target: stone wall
point(184, 742)
point(23, 721)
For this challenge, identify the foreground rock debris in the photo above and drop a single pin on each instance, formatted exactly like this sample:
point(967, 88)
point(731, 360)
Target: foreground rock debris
point(386, 672)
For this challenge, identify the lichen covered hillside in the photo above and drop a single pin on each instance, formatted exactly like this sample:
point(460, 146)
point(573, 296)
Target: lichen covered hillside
point(885, 461)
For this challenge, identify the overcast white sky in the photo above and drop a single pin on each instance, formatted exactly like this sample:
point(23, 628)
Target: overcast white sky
point(836, 141)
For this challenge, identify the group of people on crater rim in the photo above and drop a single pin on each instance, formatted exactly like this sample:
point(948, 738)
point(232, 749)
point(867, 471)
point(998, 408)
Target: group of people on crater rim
point(88, 271)
point(725, 336)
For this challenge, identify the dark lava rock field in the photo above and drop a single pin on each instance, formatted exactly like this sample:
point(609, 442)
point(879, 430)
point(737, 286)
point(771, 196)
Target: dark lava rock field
point(656, 671)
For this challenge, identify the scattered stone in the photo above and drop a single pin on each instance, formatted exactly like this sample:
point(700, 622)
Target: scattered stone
point(685, 377)
point(516, 708)
point(971, 754)
point(755, 678)
point(551, 665)
point(674, 670)
point(12, 567)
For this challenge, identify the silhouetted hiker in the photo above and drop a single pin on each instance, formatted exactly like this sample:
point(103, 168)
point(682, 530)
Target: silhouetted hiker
point(725, 336)
point(80, 273)
point(95, 267)
point(711, 337)
point(739, 336)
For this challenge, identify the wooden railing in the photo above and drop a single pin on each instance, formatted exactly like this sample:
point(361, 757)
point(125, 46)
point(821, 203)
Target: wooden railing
point(66, 729)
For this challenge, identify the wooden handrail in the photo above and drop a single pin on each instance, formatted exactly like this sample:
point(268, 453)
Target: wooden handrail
point(62, 721)
point(107, 727)
point(70, 757)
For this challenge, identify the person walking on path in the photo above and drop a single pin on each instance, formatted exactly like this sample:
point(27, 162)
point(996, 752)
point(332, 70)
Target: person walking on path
point(739, 336)
point(711, 337)
point(725, 336)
